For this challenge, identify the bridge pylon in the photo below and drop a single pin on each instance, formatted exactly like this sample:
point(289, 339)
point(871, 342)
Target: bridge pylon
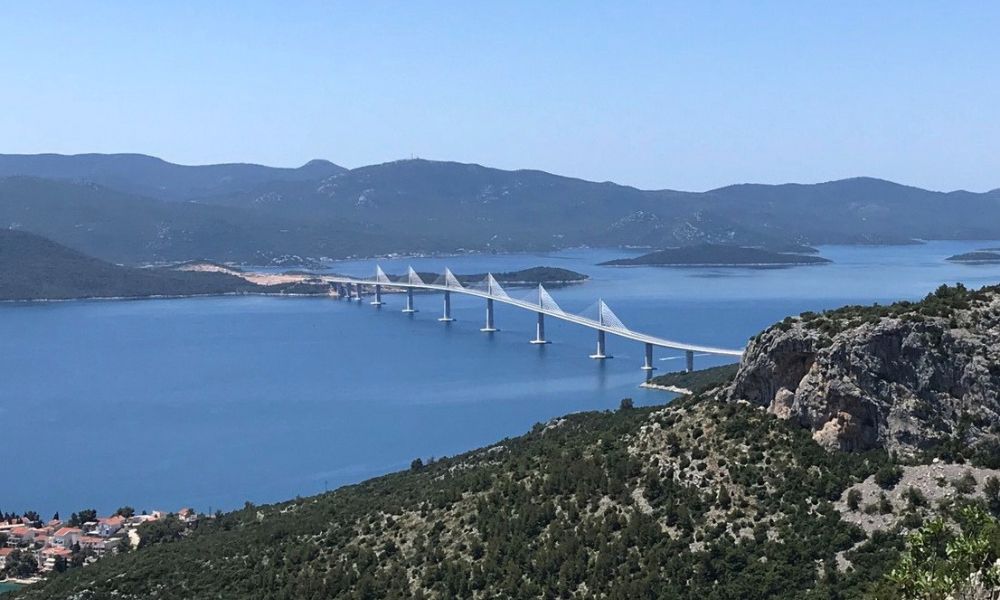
point(604, 314)
point(409, 301)
point(602, 352)
point(490, 327)
point(540, 331)
point(380, 279)
point(545, 302)
point(648, 364)
point(446, 315)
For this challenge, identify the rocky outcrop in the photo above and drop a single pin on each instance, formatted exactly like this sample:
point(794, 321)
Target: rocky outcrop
point(902, 379)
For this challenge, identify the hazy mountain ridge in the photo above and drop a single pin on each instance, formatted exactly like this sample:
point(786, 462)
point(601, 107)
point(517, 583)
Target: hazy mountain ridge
point(155, 177)
point(420, 206)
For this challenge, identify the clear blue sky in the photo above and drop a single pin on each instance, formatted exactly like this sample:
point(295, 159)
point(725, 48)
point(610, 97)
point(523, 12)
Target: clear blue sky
point(688, 95)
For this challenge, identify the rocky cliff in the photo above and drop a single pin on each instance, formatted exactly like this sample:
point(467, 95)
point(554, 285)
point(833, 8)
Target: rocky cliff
point(906, 377)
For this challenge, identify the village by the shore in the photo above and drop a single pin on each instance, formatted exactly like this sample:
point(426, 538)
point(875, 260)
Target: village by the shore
point(31, 549)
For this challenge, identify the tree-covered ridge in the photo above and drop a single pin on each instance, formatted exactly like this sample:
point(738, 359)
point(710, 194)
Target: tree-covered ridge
point(125, 209)
point(702, 499)
point(946, 302)
point(32, 268)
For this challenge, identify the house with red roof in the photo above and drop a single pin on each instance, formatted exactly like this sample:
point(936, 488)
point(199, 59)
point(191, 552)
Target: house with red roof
point(108, 526)
point(66, 537)
point(22, 536)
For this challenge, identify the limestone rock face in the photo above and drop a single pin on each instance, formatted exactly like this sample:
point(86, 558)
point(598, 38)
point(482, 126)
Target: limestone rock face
point(899, 382)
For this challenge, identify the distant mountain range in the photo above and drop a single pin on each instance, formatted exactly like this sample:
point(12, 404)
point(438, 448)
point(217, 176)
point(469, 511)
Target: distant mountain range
point(155, 177)
point(134, 209)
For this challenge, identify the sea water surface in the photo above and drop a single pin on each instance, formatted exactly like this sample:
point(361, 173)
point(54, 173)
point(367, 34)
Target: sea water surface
point(210, 402)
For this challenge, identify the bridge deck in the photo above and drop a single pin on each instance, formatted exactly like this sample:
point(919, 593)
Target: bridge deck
point(557, 314)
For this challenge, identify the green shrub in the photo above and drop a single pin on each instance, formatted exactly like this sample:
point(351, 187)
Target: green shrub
point(888, 476)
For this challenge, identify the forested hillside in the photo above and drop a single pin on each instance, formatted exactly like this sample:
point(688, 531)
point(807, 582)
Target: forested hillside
point(702, 499)
point(32, 267)
point(127, 208)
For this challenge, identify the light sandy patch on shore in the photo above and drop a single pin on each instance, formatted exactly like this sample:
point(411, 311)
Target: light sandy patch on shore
point(667, 388)
point(257, 278)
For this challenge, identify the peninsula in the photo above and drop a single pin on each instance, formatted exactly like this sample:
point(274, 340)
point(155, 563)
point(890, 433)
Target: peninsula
point(35, 268)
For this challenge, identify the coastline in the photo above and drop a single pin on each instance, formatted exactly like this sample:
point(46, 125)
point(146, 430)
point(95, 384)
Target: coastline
point(724, 265)
point(389, 290)
point(162, 297)
point(666, 388)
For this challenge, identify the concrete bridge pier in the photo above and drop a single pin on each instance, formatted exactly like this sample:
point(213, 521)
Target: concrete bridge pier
point(409, 301)
point(378, 296)
point(490, 328)
point(648, 363)
point(446, 317)
point(601, 353)
point(540, 331)
point(689, 360)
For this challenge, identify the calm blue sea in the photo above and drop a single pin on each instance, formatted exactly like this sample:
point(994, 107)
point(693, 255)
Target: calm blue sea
point(211, 402)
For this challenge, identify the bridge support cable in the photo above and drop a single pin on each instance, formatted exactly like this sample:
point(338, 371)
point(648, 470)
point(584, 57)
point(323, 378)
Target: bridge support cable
point(380, 279)
point(540, 331)
point(493, 287)
point(546, 301)
point(412, 278)
point(450, 280)
point(608, 318)
point(446, 316)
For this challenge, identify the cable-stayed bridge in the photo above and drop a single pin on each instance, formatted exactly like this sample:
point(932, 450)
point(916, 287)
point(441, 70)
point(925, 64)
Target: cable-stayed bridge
point(544, 306)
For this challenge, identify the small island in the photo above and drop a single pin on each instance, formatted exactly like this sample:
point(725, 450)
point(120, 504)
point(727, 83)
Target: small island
point(980, 257)
point(717, 255)
point(552, 276)
point(549, 276)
